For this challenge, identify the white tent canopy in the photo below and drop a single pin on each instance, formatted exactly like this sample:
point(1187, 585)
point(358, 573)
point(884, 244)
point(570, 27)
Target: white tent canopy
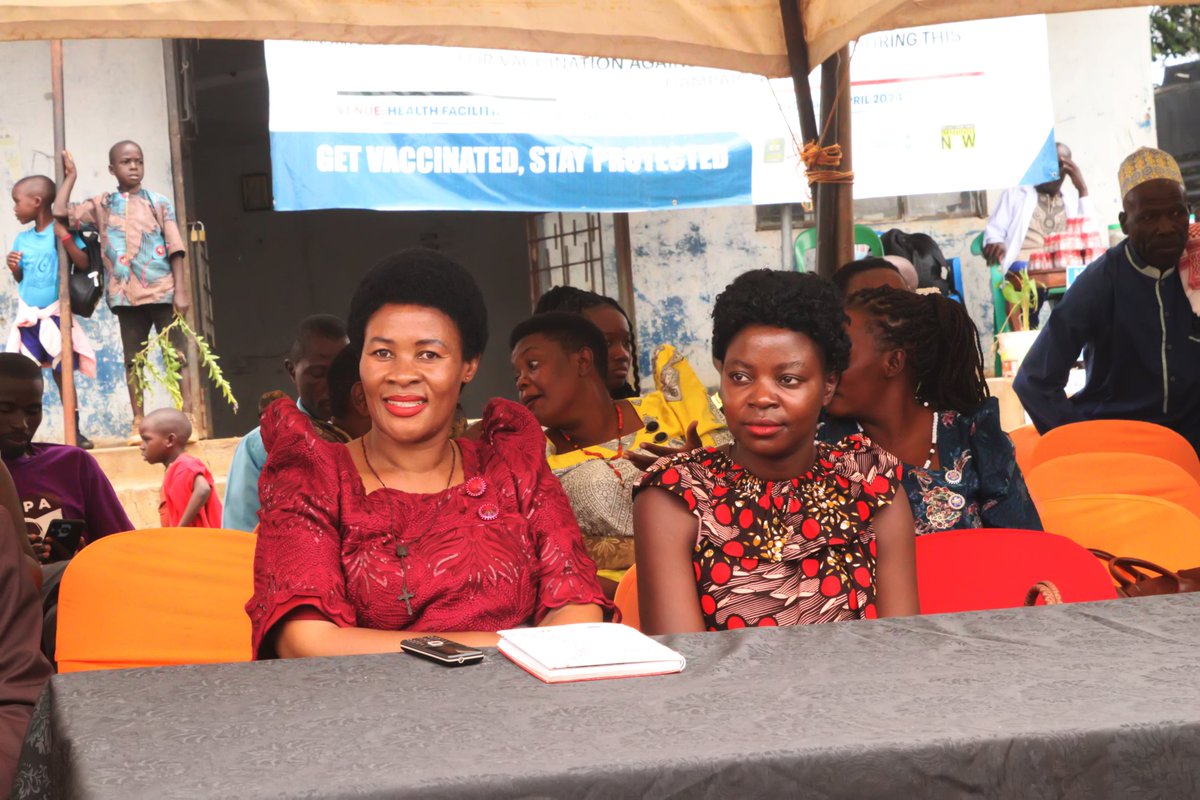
point(745, 35)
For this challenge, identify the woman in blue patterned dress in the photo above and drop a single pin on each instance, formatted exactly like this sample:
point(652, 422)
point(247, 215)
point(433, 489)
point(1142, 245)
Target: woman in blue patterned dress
point(916, 386)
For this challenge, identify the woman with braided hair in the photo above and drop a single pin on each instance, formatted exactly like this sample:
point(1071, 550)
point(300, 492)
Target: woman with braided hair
point(916, 386)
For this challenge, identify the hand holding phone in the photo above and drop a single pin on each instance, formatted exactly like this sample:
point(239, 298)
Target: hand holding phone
point(443, 651)
point(63, 537)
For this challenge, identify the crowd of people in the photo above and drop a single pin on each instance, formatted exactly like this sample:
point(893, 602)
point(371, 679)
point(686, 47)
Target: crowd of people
point(852, 416)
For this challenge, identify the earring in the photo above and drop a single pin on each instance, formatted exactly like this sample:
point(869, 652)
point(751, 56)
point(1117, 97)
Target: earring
point(918, 397)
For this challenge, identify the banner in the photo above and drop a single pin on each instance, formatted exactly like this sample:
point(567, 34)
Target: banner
point(398, 127)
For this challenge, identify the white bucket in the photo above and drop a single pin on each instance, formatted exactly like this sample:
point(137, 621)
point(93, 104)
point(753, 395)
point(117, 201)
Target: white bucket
point(1013, 347)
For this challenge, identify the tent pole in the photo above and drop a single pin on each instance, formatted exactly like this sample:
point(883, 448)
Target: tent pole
point(835, 201)
point(797, 51)
point(67, 362)
point(198, 408)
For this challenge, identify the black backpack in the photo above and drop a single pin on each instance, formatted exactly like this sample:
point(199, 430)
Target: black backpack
point(86, 286)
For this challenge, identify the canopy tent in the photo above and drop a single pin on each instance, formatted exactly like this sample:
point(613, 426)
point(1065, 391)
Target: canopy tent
point(776, 38)
point(744, 35)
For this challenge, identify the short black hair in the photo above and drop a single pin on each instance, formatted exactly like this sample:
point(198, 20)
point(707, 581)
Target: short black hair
point(847, 272)
point(112, 151)
point(796, 301)
point(40, 186)
point(342, 375)
point(423, 277)
point(572, 298)
point(318, 326)
point(939, 338)
point(574, 332)
point(19, 367)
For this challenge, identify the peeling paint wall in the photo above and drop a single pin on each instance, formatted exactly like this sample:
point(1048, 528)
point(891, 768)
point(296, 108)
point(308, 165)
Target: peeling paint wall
point(113, 90)
point(1103, 92)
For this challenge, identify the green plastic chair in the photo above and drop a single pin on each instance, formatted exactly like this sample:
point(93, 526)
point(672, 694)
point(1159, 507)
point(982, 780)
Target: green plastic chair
point(807, 240)
point(999, 306)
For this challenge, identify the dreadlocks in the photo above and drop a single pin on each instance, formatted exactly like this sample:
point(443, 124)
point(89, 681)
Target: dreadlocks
point(940, 340)
point(577, 301)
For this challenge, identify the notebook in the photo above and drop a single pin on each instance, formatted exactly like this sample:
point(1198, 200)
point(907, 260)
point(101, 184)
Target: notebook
point(588, 651)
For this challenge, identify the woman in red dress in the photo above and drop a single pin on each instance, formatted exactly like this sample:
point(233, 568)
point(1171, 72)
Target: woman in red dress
point(407, 531)
point(775, 529)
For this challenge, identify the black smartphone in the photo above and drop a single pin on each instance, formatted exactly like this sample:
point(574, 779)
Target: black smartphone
point(443, 651)
point(63, 536)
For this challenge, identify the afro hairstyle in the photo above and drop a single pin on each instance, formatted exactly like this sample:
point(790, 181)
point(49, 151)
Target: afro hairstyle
point(797, 301)
point(422, 277)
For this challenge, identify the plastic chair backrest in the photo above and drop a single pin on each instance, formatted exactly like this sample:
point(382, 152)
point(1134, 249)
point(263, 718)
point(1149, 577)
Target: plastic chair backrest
point(1114, 473)
point(957, 278)
point(1127, 525)
point(157, 597)
point(974, 570)
point(1118, 436)
point(977, 245)
point(626, 598)
point(807, 240)
point(1025, 439)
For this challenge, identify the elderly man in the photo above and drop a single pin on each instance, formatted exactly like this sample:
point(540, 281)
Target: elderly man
point(1026, 215)
point(1129, 315)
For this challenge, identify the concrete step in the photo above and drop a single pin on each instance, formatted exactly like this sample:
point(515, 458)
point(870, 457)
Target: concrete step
point(138, 483)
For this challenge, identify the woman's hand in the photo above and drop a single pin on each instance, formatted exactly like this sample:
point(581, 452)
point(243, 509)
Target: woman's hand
point(653, 452)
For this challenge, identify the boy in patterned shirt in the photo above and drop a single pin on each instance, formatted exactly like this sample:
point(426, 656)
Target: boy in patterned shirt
point(143, 255)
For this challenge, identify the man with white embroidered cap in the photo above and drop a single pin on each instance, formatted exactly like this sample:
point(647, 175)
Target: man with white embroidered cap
point(1130, 316)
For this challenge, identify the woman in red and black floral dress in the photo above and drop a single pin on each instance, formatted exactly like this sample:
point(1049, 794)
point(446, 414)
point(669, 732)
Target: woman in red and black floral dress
point(775, 529)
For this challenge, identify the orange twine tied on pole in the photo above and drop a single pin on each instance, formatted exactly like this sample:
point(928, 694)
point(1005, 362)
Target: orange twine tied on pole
point(819, 163)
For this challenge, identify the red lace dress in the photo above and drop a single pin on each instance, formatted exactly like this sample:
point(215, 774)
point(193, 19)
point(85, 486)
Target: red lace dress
point(499, 550)
point(783, 552)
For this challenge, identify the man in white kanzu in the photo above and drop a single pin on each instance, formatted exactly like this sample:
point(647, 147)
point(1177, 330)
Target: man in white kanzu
point(1026, 215)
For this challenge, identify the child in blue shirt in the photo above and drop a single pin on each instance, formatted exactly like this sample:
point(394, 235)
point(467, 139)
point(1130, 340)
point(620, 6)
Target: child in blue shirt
point(34, 265)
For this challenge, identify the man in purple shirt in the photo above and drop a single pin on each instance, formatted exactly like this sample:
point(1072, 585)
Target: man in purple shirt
point(54, 481)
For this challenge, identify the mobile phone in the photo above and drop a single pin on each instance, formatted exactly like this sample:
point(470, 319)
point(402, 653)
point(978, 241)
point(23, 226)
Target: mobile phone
point(63, 536)
point(443, 651)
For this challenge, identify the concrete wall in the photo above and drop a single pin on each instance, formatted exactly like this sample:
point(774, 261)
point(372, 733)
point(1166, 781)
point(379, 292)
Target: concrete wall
point(113, 90)
point(1100, 69)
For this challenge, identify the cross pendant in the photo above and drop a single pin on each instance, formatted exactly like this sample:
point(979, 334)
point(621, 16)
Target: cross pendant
point(406, 595)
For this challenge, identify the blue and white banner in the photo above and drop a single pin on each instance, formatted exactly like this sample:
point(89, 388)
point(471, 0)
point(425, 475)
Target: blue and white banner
point(407, 127)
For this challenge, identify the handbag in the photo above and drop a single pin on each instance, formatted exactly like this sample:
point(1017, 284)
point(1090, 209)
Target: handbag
point(1137, 577)
point(1047, 591)
point(85, 286)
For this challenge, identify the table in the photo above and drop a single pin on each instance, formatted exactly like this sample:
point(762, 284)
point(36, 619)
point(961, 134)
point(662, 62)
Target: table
point(1081, 701)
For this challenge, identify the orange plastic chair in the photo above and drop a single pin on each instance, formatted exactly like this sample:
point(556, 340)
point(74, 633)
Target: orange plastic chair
point(1114, 473)
point(975, 570)
point(1117, 436)
point(157, 597)
point(1024, 439)
point(1127, 525)
point(626, 598)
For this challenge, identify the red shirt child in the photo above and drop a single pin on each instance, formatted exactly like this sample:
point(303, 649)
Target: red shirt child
point(187, 499)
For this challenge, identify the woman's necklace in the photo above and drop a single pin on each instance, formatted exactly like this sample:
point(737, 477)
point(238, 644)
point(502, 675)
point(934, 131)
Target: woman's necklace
point(405, 595)
point(449, 479)
point(932, 444)
point(593, 454)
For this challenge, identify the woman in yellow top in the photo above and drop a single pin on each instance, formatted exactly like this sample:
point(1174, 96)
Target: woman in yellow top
point(594, 441)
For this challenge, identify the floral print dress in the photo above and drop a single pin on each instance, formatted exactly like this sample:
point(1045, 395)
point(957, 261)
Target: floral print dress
point(978, 483)
point(783, 552)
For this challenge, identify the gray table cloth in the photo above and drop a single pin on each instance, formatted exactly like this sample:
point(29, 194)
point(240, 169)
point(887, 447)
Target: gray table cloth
point(1080, 701)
